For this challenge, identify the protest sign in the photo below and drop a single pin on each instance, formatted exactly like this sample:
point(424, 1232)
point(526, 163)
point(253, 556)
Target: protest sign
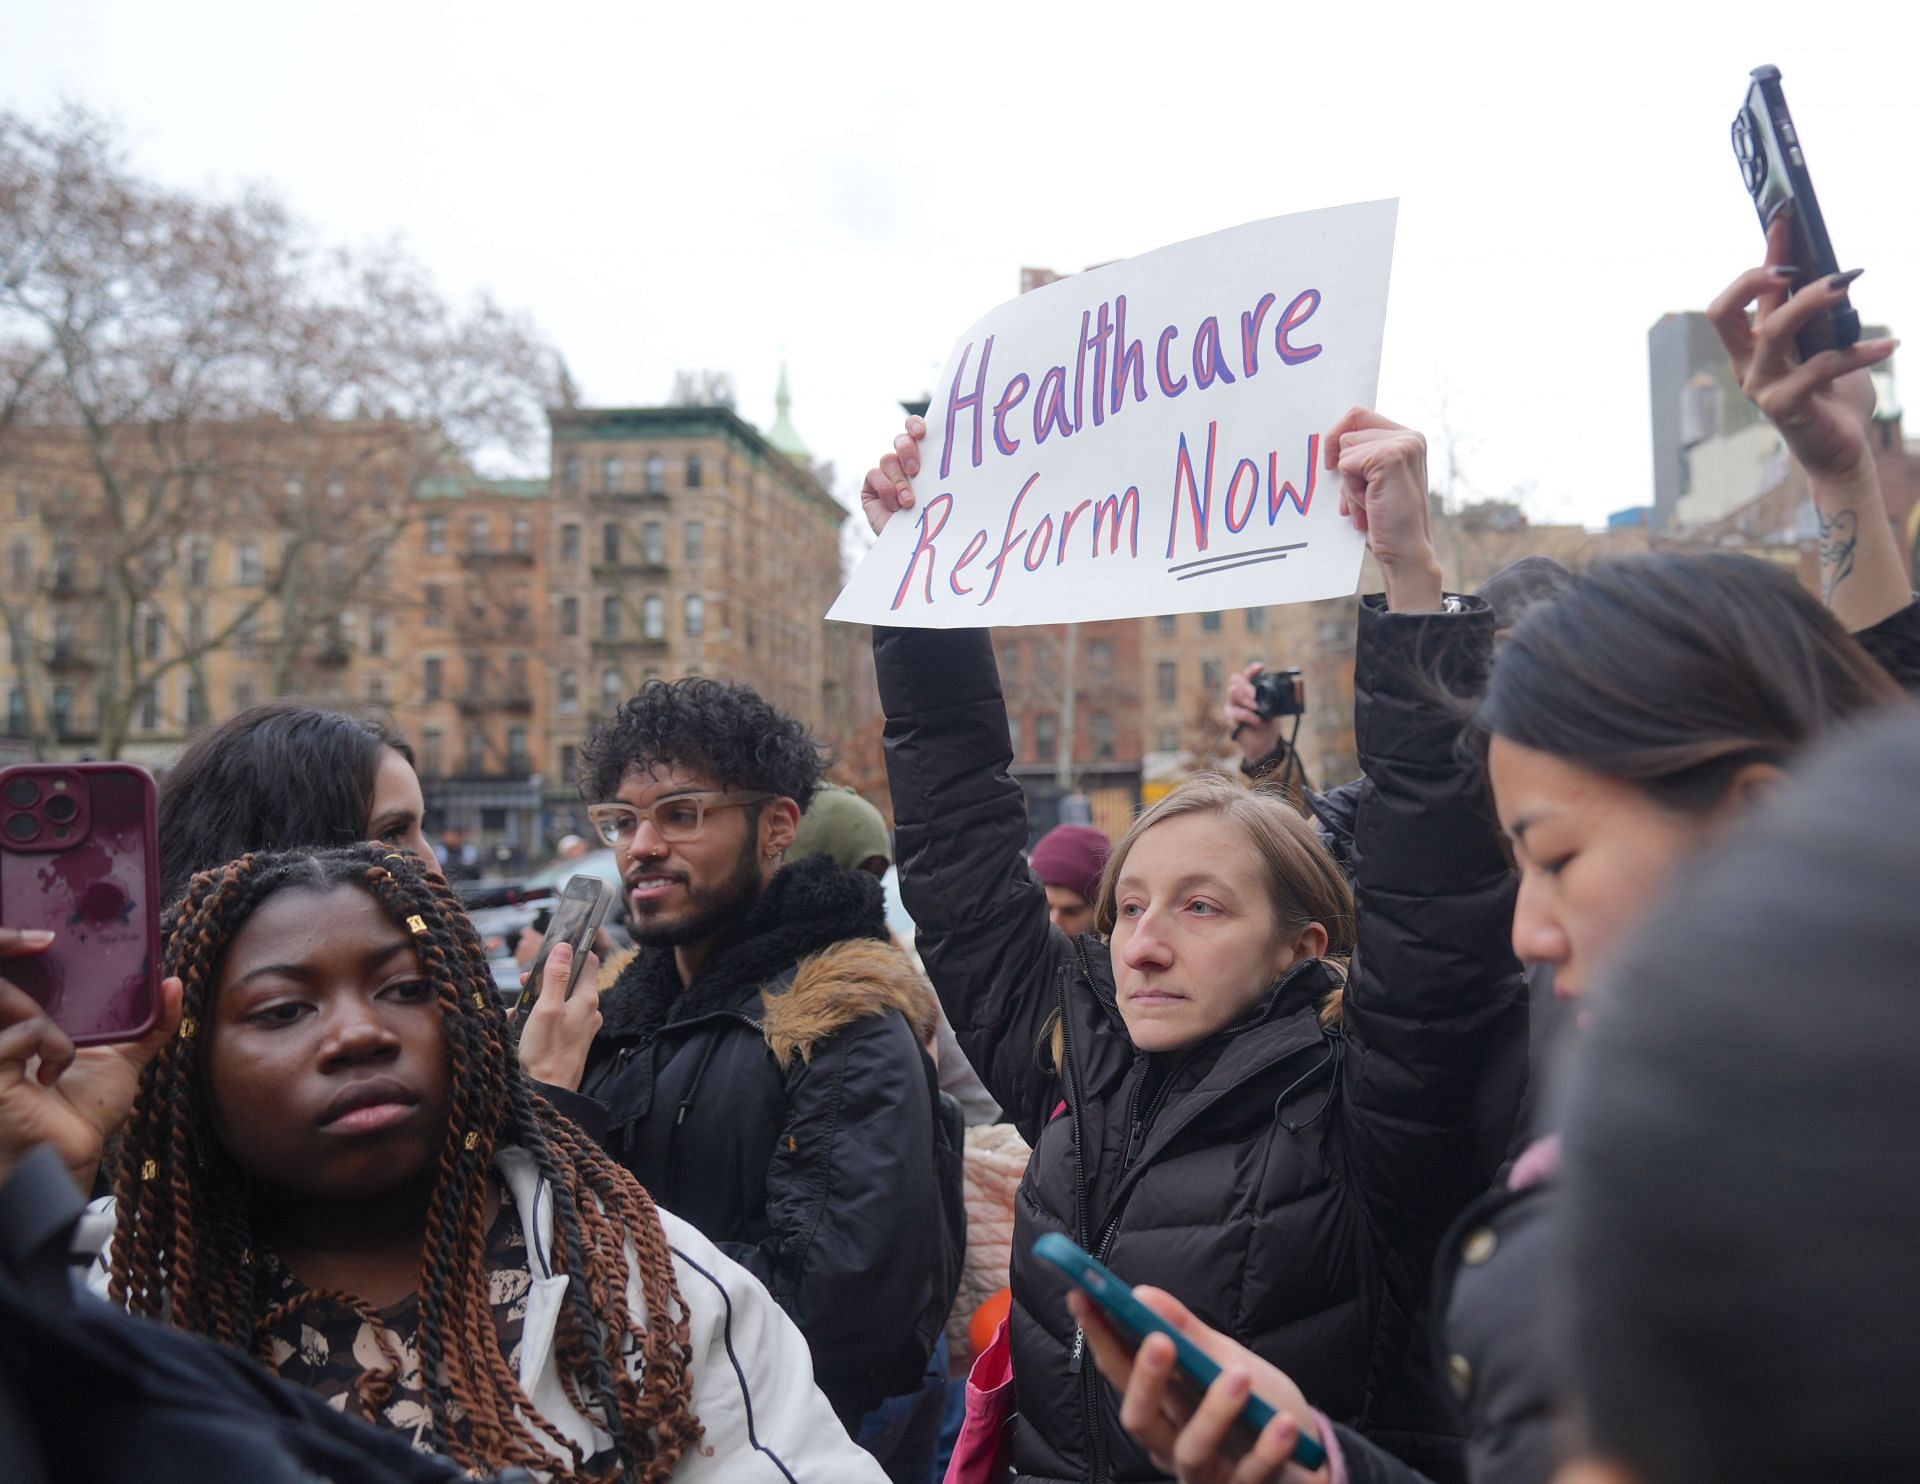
point(1144, 437)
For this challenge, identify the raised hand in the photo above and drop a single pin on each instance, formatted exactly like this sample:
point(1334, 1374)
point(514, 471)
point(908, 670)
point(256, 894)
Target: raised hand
point(54, 1093)
point(560, 1028)
point(889, 486)
point(1383, 491)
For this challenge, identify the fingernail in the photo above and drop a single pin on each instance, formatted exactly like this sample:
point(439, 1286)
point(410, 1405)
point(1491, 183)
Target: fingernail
point(563, 951)
point(1237, 1383)
point(1841, 280)
point(36, 938)
point(1785, 270)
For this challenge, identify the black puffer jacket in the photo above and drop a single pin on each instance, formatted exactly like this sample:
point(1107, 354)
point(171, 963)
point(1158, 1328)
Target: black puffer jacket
point(1288, 1183)
point(783, 1104)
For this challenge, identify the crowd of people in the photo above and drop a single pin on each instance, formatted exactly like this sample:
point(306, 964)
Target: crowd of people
point(759, 1198)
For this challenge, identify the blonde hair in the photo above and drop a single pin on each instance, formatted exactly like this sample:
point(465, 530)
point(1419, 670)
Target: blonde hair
point(1304, 883)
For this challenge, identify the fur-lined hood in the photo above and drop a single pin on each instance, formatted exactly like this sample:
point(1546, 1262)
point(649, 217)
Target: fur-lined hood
point(816, 922)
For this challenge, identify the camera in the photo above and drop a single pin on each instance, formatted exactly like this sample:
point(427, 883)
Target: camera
point(1279, 693)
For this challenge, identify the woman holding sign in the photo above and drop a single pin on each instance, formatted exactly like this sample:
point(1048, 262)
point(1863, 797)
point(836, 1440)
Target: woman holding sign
point(1256, 1086)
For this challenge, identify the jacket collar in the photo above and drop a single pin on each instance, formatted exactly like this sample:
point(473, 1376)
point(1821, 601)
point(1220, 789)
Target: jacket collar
point(809, 905)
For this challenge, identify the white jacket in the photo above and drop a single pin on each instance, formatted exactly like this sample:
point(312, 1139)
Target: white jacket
point(753, 1389)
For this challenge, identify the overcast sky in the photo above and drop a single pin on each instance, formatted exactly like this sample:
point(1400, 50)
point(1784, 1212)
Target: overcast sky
point(850, 187)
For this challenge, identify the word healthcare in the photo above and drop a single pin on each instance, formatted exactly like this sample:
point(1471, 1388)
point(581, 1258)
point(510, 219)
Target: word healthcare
point(1118, 368)
point(1145, 437)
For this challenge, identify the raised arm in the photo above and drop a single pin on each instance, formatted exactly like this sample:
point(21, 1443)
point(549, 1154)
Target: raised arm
point(1823, 409)
point(961, 833)
point(1436, 1008)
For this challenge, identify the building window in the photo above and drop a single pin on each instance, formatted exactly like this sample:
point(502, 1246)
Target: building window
point(436, 605)
point(656, 474)
point(1210, 622)
point(570, 542)
point(522, 537)
point(1046, 737)
point(569, 762)
point(433, 678)
point(23, 503)
point(1210, 676)
point(1100, 729)
point(377, 629)
point(476, 674)
point(199, 561)
point(196, 704)
point(517, 676)
point(653, 617)
point(570, 472)
point(517, 763)
point(610, 475)
point(569, 616)
point(1256, 620)
point(610, 617)
point(376, 690)
point(149, 708)
point(17, 711)
point(1169, 739)
point(246, 636)
point(613, 689)
point(696, 615)
point(693, 471)
point(1013, 735)
point(437, 534)
point(476, 754)
point(63, 708)
point(696, 534)
point(652, 544)
point(22, 554)
point(153, 636)
point(1167, 625)
point(1166, 678)
point(249, 564)
point(196, 627)
point(610, 543)
point(569, 691)
point(1100, 658)
point(478, 534)
point(430, 762)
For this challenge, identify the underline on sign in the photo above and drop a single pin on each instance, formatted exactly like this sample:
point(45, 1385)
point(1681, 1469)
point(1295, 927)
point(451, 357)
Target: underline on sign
point(1227, 562)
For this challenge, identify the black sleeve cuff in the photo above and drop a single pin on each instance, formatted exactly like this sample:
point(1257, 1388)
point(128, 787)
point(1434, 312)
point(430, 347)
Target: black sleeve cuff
point(589, 1113)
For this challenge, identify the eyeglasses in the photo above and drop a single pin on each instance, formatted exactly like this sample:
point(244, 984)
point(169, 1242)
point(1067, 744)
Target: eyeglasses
point(676, 819)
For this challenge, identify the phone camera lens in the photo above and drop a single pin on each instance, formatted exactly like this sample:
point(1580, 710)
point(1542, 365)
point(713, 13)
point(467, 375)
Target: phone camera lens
point(22, 793)
point(63, 808)
point(22, 827)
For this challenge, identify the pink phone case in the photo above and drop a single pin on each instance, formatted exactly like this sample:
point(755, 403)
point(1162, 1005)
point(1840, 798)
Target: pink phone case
point(78, 859)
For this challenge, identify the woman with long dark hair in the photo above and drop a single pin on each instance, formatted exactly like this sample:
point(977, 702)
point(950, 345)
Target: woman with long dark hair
point(336, 1165)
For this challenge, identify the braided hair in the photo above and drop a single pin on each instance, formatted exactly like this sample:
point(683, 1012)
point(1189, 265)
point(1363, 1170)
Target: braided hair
point(183, 1249)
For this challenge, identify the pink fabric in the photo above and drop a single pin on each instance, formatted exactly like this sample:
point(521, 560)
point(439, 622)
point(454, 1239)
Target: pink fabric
point(984, 1449)
point(1336, 1460)
point(1057, 1111)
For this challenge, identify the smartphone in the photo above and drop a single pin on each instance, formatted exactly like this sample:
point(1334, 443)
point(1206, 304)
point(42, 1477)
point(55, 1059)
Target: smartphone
point(1135, 1321)
point(576, 918)
point(1774, 166)
point(78, 859)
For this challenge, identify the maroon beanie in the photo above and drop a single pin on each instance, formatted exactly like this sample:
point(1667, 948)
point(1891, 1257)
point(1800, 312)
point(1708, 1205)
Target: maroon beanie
point(1073, 856)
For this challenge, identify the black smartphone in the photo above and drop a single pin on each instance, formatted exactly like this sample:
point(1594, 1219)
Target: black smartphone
point(1773, 164)
point(576, 918)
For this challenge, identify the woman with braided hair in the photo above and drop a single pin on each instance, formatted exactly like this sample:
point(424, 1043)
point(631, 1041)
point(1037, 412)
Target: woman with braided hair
point(335, 1164)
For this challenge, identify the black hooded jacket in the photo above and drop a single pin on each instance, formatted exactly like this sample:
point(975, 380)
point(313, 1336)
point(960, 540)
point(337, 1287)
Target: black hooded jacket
point(1288, 1183)
point(783, 1104)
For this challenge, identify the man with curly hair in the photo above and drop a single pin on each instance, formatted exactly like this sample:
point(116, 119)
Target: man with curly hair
point(760, 1065)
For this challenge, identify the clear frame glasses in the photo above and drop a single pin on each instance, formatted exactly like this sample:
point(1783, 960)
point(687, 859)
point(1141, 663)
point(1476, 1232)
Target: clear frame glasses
point(675, 819)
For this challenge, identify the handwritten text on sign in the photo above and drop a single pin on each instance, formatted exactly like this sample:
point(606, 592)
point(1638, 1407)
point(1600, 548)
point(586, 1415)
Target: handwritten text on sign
point(1145, 438)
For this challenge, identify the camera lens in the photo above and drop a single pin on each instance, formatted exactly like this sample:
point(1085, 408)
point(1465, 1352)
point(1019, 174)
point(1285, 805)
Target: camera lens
point(63, 808)
point(22, 827)
point(22, 793)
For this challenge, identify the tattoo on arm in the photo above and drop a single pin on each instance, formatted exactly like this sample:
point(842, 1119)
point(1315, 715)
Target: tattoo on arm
point(1839, 535)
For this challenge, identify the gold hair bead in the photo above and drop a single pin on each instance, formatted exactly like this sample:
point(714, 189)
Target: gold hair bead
point(150, 1170)
point(417, 925)
point(187, 1027)
point(472, 1142)
point(479, 1000)
point(393, 855)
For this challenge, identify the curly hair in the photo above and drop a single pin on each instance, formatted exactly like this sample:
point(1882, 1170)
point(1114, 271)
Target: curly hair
point(710, 726)
point(184, 1241)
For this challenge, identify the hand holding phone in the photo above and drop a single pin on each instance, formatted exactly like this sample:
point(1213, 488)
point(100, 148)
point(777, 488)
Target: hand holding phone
point(576, 919)
point(1132, 1322)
